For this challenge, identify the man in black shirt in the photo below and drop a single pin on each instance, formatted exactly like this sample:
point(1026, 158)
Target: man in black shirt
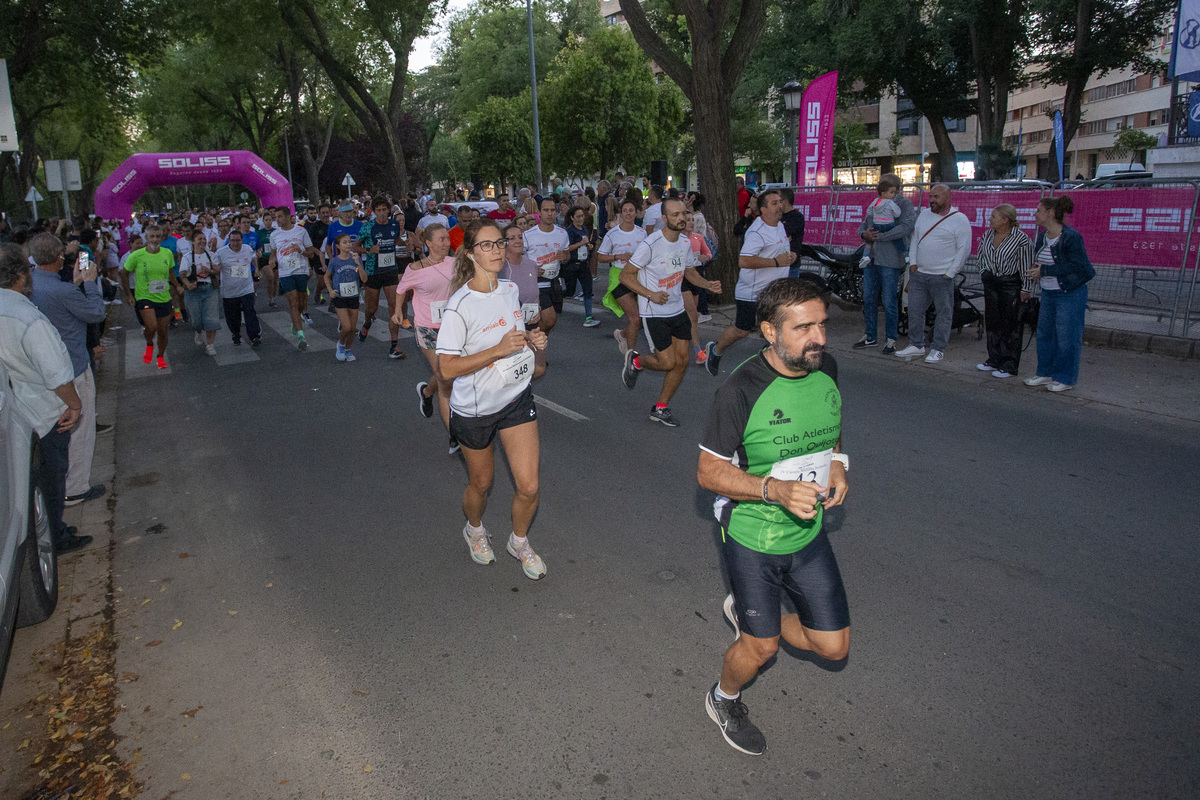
point(317, 230)
point(793, 225)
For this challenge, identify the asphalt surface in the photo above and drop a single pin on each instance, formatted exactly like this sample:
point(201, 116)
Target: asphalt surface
point(1021, 573)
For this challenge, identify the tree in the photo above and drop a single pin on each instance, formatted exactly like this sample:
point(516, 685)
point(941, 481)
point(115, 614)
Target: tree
point(1082, 39)
point(308, 100)
point(851, 145)
point(450, 160)
point(720, 38)
point(601, 108)
point(341, 52)
point(500, 134)
point(1133, 141)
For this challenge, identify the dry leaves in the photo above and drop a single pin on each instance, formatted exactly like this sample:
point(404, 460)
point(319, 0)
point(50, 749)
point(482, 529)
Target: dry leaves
point(177, 625)
point(183, 555)
point(155, 643)
point(366, 768)
point(191, 714)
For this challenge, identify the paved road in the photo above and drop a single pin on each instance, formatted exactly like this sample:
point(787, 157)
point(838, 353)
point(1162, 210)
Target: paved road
point(1021, 574)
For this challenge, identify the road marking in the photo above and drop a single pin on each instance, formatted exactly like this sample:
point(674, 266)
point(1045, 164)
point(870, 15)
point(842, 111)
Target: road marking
point(566, 412)
point(282, 324)
point(228, 353)
point(135, 345)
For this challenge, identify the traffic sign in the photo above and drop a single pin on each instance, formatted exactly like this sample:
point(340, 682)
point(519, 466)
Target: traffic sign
point(33, 195)
point(245, 195)
point(57, 171)
point(347, 181)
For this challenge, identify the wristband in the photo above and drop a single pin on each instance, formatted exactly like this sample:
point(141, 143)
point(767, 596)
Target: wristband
point(765, 483)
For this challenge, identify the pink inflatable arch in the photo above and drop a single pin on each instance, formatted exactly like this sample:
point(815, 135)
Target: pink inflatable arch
point(120, 190)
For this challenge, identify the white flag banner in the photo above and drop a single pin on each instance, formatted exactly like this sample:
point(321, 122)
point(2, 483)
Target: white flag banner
point(8, 124)
point(1185, 50)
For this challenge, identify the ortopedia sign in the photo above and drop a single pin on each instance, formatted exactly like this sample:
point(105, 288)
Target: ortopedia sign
point(1135, 227)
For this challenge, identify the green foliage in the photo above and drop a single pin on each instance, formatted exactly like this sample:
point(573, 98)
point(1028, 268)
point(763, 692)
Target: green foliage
point(500, 134)
point(851, 144)
point(600, 107)
point(450, 160)
point(1119, 34)
point(1132, 141)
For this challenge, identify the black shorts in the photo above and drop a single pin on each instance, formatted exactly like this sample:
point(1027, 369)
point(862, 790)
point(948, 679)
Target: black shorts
point(315, 266)
point(620, 290)
point(402, 263)
point(661, 330)
point(344, 302)
point(810, 577)
point(688, 286)
point(160, 309)
point(476, 433)
point(747, 316)
point(381, 280)
point(551, 295)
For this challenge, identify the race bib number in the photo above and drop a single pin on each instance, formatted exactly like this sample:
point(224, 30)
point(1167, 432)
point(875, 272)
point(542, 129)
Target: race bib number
point(583, 251)
point(387, 260)
point(436, 310)
point(156, 287)
point(529, 312)
point(349, 289)
point(813, 467)
point(550, 270)
point(240, 271)
point(516, 368)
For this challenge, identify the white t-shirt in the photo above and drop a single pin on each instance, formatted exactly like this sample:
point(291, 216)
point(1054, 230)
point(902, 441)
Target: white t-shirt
point(543, 248)
point(660, 267)
point(205, 261)
point(621, 243)
point(1044, 258)
point(764, 241)
point(429, 219)
point(183, 247)
point(237, 270)
point(289, 247)
point(473, 322)
point(652, 218)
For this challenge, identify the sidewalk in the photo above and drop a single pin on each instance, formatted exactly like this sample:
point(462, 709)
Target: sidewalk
point(59, 665)
point(1142, 382)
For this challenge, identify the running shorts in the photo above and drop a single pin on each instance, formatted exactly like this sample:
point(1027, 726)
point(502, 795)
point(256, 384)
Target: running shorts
point(551, 295)
point(160, 309)
point(661, 330)
point(620, 290)
point(476, 433)
point(427, 337)
point(344, 302)
point(293, 283)
point(382, 280)
point(747, 316)
point(811, 579)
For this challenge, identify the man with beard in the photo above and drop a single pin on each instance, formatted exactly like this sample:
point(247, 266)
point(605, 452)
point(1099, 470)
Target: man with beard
point(771, 453)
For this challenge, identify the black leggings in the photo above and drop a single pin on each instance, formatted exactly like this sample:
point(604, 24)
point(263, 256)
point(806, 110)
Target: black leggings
point(1001, 307)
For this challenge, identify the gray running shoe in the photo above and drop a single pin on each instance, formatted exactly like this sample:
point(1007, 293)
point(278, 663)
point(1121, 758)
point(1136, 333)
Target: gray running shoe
point(734, 720)
point(712, 360)
point(664, 416)
point(629, 374)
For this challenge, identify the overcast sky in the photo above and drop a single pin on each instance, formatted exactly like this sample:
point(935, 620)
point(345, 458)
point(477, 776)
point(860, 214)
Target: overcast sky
point(423, 54)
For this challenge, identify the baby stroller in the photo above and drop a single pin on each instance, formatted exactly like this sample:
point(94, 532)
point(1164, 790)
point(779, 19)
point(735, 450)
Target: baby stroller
point(965, 311)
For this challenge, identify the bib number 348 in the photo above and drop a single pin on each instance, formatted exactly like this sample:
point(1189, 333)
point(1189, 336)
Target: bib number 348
point(517, 368)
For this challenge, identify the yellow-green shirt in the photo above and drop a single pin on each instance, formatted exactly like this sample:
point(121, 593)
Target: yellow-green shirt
point(152, 272)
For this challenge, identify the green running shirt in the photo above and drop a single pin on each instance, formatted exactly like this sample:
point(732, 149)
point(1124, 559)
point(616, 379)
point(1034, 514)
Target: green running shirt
point(760, 418)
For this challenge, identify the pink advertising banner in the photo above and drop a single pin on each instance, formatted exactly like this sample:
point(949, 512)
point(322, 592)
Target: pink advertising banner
point(815, 155)
point(1135, 227)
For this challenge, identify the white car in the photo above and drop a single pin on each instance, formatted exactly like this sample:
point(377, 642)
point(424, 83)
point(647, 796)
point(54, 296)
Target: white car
point(28, 566)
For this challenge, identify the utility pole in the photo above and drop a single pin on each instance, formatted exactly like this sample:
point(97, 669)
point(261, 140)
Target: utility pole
point(537, 136)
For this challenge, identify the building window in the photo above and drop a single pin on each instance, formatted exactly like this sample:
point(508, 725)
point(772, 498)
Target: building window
point(908, 121)
point(872, 130)
point(955, 125)
point(1117, 89)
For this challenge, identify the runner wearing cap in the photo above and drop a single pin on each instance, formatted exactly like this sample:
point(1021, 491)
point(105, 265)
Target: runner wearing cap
point(378, 240)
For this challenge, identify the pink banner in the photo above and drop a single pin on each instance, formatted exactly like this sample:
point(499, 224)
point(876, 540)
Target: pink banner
point(1135, 227)
point(120, 190)
point(815, 155)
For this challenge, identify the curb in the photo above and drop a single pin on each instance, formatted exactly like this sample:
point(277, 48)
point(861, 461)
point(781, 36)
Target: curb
point(1174, 346)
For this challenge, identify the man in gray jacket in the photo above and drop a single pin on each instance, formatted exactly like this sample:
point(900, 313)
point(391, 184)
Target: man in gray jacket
point(884, 272)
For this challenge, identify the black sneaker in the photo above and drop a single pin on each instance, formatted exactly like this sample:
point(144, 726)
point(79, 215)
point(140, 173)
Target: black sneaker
point(426, 402)
point(256, 341)
point(712, 361)
point(664, 416)
point(889, 347)
point(454, 448)
point(70, 541)
point(864, 342)
point(735, 724)
point(237, 342)
point(91, 494)
point(629, 373)
point(362, 335)
point(396, 353)
point(103, 428)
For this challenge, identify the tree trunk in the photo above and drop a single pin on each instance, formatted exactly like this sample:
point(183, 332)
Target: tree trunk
point(1076, 83)
point(945, 168)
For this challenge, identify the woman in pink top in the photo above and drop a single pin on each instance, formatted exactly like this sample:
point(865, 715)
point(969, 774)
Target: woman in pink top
point(429, 280)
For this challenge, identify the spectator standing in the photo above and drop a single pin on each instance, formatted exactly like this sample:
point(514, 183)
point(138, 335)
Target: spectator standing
point(941, 244)
point(40, 370)
point(1005, 259)
point(652, 218)
point(71, 307)
point(1062, 268)
point(793, 225)
point(881, 278)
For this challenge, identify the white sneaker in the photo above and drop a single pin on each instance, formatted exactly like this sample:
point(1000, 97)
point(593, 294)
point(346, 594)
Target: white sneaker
point(199, 339)
point(703, 318)
point(999, 373)
point(984, 367)
point(731, 615)
point(622, 345)
point(480, 544)
point(864, 262)
point(531, 562)
point(910, 351)
point(210, 349)
point(1057, 386)
point(934, 356)
point(1040, 380)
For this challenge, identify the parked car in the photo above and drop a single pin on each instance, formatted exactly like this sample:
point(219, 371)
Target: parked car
point(28, 566)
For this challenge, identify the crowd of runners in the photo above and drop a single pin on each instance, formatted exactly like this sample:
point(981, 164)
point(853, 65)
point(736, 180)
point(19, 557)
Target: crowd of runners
point(482, 292)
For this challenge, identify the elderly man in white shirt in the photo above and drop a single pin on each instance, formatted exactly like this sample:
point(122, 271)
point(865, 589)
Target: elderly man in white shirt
point(43, 382)
point(941, 242)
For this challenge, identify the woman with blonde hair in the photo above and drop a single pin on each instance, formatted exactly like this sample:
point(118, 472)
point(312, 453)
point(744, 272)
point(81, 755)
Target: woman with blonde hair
point(485, 351)
point(1005, 259)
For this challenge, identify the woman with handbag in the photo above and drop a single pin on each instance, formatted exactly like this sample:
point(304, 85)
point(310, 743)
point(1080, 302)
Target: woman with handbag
point(1005, 259)
point(1062, 267)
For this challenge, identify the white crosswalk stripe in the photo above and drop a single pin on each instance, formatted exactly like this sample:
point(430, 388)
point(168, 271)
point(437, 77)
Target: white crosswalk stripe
point(281, 323)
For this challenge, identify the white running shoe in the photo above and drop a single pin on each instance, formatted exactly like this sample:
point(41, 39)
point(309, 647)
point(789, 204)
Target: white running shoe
point(199, 339)
point(480, 545)
point(210, 349)
point(1058, 386)
point(731, 615)
point(984, 367)
point(531, 562)
point(1040, 380)
point(703, 318)
point(934, 356)
point(910, 352)
point(999, 373)
point(622, 345)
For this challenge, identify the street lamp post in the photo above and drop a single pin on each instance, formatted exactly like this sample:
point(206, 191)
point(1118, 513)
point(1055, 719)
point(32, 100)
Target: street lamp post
point(537, 135)
point(793, 95)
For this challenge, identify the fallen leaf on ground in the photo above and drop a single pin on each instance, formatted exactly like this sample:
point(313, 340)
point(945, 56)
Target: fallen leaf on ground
point(281, 783)
point(192, 713)
point(366, 768)
point(147, 600)
point(269, 585)
point(186, 776)
point(232, 613)
point(360, 693)
point(155, 643)
point(129, 677)
point(23, 745)
point(176, 626)
point(183, 555)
